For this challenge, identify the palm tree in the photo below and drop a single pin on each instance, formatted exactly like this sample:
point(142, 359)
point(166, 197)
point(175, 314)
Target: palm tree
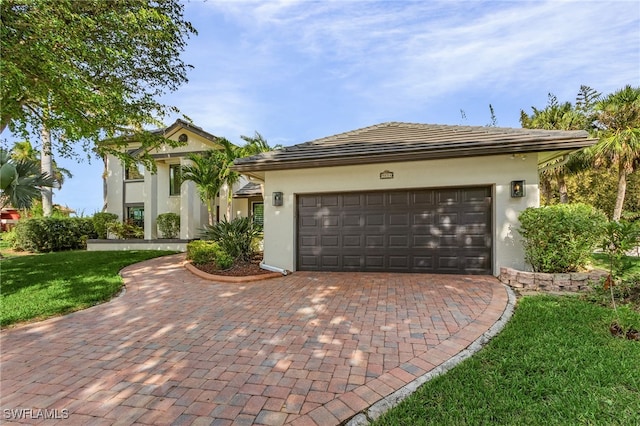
point(562, 116)
point(206, 171)
point(25, 151)
point(618, 123)
point(21, 181)
point(254, 145)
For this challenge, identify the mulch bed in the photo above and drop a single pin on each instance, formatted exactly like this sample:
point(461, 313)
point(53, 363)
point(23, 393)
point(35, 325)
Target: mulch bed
point(239, 269)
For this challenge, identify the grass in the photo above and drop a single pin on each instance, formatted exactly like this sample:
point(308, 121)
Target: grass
point(39, 286)
point(601, 261)
point(554, 363)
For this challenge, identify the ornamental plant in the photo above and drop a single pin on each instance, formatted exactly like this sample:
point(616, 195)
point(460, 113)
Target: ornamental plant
point(560, 238)
point(169, 225)
point(101, 222)
point(204, 252)
point(237, 238)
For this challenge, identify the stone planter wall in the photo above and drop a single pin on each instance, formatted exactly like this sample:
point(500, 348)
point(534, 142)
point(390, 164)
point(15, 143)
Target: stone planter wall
point(538, 281)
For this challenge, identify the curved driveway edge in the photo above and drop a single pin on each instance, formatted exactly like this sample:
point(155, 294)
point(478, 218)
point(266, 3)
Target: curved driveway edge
point(304, 349)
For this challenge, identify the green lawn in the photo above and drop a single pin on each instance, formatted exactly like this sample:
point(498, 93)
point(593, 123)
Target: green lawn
point(601, 261)
point(555, 363)
point(45, 285)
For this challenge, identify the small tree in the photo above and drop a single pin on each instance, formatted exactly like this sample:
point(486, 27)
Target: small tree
point(206, 172)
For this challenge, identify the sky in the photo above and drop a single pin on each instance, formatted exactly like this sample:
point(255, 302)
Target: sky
point(301, 70)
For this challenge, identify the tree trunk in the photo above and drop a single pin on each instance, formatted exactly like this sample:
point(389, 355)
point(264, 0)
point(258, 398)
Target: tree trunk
point(105, 173)
point(210, 206)
point(562, 188)
point(622, 189)
point(46, 166)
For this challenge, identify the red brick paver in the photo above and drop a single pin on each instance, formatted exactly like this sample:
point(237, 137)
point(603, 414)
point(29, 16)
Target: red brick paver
point(308, 348)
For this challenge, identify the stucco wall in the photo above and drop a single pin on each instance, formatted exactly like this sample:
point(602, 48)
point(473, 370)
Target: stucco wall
point(496, 171)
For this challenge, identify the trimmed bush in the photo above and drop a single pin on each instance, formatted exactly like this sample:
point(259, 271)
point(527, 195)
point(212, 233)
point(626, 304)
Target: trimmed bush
point(169, 225)
point(202, 252)
point(238, 238)
point(45, 234)
point(125, 230)
point(101, 221)
point(560, 238)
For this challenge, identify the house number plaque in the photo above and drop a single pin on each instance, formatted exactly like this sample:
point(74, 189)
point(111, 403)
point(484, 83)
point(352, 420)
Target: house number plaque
point(387, 174)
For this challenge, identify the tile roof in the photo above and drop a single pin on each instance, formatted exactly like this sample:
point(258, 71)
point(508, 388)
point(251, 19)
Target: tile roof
point(251, 189)
point(395, 141)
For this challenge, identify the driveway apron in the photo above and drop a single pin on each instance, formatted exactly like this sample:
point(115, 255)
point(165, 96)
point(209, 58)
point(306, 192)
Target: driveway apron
point(307, 348)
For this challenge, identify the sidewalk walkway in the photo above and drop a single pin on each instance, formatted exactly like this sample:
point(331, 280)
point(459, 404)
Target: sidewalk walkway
point(307, 349)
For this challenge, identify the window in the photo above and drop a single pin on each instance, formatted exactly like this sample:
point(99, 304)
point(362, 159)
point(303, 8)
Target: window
point(175, 179)
point(135, 214)
point(257, 213)
point(134, 172)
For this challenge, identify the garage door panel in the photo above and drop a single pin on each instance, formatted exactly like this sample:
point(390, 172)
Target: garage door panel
point(424, 218)
point(447, 196)
point(374, 199)
point(351, 219)
point(308, 222)
point(374, 241)
point(309, 241)
point(398, 199)
point(424, 198)
point(330, 241)
point(426, 230)
point(352, 200)
point(352, 241)
point(398, 241)
point(330, 261)
point(374, 219)
point(424, 263)
point(308, 201)
point(374, 261)
point(354, 261)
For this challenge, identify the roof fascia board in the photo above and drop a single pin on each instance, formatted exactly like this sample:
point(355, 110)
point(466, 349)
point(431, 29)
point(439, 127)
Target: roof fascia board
point(339, 159)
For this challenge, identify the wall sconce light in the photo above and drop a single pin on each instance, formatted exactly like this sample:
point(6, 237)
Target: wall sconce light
point(278, 199)
point(517, 188)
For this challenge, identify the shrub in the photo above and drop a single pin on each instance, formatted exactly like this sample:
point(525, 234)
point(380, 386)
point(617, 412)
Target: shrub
point(100, 222)
point(47, 234)
point(169, 225)
point(560, 238)
point(237, 238)
point(125, 230)
point(202, 252)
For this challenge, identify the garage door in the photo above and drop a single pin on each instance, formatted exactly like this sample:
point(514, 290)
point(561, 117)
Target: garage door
point(445, 230)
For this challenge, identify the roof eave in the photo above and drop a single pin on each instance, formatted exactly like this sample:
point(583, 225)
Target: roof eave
point(332, 161)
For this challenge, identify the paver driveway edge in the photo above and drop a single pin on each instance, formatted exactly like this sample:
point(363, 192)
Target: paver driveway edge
point(379, 408)
point(305, 349)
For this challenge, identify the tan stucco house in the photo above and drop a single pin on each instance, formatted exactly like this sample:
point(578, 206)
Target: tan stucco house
point(403, 197)
point(139, 195)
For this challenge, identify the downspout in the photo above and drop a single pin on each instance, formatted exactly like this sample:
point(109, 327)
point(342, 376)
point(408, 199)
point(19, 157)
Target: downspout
point(273, 268)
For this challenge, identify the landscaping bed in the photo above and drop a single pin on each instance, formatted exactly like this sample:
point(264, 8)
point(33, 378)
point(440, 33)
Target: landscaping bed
point(238, 269)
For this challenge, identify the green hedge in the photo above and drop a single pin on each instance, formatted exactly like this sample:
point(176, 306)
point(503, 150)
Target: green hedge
point(101, 222)
point(169, 225)
point(561, 238)
point(47, 234)
point(202, 252)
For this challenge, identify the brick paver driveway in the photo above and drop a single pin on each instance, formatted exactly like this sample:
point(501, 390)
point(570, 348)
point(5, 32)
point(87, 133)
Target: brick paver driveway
point(308, 348)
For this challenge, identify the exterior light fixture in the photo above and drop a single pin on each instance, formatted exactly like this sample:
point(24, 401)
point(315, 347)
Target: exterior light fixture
point(278, 199)
point(517, 188)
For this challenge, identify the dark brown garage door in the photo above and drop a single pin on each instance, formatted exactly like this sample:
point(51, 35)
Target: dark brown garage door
point(445, 231)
